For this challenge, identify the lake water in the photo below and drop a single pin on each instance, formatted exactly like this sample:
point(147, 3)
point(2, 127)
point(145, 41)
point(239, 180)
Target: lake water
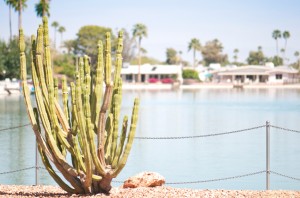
point(185, 113)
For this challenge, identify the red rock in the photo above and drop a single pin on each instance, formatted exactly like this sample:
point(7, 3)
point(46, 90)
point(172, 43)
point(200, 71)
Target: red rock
point(144, 179)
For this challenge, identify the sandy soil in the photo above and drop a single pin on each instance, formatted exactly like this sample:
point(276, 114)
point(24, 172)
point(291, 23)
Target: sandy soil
point(164, 191)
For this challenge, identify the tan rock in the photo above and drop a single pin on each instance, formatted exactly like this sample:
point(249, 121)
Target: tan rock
point(144, 179)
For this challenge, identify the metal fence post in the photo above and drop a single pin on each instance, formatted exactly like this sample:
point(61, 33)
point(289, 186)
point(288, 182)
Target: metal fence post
point(267, 155)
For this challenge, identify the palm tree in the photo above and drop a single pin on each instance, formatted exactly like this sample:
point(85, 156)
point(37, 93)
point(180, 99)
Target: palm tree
point(276, 35)
point(55, 25)
point(259, 48)
point(42, 8)
point(139, 31)
point(195, 46)
point(18, 6)
point(282, 50)
point(180, 57)
point(235, 51)
point(286, 35)
point(61, 30)
point(8, 2)
point(296, 54)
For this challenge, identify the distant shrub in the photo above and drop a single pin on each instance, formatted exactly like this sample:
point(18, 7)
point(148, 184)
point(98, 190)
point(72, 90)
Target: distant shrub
point(190, 74)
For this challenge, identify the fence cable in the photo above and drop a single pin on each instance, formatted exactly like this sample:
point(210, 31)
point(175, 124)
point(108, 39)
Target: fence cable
point(219, 179)
point(202, 136)
point(285, 129)
point(286, 176)
point(19, 170)
point(15, 127)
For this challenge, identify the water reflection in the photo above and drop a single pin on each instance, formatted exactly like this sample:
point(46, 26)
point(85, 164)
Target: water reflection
point(185, 113)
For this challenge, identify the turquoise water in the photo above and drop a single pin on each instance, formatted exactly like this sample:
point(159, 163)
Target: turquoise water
point(185, 113)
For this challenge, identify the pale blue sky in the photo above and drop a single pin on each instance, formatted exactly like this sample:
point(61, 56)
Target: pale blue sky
point(242, 24)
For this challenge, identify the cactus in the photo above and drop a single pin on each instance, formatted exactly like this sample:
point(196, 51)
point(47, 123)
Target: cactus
point(86, 126)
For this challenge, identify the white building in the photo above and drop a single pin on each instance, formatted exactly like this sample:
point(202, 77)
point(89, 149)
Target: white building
point(129, 73)
point(257, 74)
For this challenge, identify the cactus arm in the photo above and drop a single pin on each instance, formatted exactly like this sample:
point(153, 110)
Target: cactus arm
point(121, 142)
point(61, 118)
point(83, 129)
point(39, 61)
point(47, 54)
point(65, 98)
point(41, 74)
point(57, 179)
point(47, 164)
point(98, 90)
point(101, 123)
point(81, 73)
point(22, 56)
point(108, 140)
point(106, 101)
point(99, 167)
point(116, 114)
point(26, 89)
point(49, 136)
point(118, 57)
point(128, 146)
point(107, 68)
point(55, 88)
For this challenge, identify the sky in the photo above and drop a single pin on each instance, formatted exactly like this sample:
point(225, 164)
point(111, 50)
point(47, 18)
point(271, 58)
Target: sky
point(241, 24)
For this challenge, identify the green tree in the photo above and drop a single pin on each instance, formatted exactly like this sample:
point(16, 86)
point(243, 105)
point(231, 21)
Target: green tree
point(276, 35)
point(212, 53)
point(235, 57)
point(194, 45)
point(9, 57)
point(64, 64)
point(172, 57)
point(55, 24)
point(286, 35)
point(42, 8)
point(256, 58)
point(276, 60)
point(18, 6)
point(61, 30)
point(9, 3)
point(2, 58)
point(139, 31)
point(70, 45)
point(87, 36)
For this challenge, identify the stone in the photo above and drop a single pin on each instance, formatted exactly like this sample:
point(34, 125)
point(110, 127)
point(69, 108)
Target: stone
point(144, 179)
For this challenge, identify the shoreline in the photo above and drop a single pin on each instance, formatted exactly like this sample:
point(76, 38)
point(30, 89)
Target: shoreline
point(162, 191)
point(137, 86)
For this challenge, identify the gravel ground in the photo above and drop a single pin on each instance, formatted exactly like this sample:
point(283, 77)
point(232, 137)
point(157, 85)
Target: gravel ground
point(164, 191)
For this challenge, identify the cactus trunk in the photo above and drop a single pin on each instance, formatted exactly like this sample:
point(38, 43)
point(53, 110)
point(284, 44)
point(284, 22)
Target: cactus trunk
point(87, 126)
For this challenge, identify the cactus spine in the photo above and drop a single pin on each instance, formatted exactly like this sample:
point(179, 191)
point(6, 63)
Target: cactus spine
point(87, 126)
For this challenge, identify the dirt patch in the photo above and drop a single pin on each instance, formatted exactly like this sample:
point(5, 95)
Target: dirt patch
point(164, 191)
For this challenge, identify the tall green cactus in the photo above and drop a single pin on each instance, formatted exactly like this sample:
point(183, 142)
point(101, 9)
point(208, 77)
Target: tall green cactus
point(86, 127)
